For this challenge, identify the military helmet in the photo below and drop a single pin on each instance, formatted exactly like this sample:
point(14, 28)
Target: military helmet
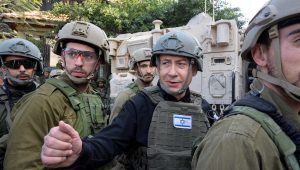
point(23, 48)
point(82, 32)
point(271, 14)
point(178, 43)
point(142, 54)
point(47, 69)
point(55, 72)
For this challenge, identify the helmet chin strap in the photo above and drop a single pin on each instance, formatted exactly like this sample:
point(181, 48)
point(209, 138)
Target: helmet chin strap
point(290, 89)
point(77, 80)
point(17, 82)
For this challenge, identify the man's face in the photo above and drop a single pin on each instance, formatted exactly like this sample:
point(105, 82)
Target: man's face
point(80, 59)
point(290, 53)
point(46, 74)
point(101, 84)
point(174, 72)
point(146, 71)
point(19, 67)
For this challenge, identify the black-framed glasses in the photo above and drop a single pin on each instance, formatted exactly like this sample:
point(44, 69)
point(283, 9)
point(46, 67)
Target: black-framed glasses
point(87, 56)
point(16, 64)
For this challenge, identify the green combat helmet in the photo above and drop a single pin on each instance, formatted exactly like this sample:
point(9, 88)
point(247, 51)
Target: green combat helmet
point(87, 33)
point(82, 32)
point(267, 19)
point(178, 43)
point(142, 54)
point(23, 48)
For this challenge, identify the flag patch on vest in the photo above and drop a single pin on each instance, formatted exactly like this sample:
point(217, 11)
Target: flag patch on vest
point(182, 121)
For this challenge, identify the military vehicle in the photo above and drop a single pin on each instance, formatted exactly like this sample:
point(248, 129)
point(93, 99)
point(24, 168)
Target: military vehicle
point(222, 79)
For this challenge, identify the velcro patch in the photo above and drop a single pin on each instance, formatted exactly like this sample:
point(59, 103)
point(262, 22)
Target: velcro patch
point(182, 121)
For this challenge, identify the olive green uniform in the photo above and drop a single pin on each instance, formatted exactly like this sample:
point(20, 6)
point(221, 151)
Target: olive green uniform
point(130, 91)
point(239, 142)
point(36, 114)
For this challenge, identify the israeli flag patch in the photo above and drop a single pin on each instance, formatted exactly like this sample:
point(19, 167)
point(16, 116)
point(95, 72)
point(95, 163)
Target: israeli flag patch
point(182, 121)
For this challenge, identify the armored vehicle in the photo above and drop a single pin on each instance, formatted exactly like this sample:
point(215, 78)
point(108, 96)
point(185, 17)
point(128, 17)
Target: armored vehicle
point(223, 78)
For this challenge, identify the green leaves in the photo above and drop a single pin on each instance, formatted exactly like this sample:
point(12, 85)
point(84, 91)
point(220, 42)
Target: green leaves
point(128, 16)
point(7, 6)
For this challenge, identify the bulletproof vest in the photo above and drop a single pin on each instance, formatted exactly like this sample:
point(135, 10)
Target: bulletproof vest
point(283, 142)
point(174, 127)
point(90, 118)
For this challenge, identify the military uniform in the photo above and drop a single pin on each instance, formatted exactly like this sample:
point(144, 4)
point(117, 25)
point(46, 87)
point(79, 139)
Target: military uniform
point(240, 142)
point(9, 95)
point(42, 110)
point(123, 96)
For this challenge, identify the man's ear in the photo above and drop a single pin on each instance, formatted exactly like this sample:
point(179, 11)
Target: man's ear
point(260, 54)
point(194, 69)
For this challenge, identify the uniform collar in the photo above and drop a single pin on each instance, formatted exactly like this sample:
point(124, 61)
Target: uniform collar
point(280, 104)
point(66, 79)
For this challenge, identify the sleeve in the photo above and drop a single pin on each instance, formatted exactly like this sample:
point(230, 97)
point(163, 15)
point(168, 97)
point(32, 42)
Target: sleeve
point(117, 137)
point(35, 115)
point(236, 145)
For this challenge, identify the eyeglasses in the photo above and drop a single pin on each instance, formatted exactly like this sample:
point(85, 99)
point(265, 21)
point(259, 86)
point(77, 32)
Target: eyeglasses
point(16, 64)
point(88, 56)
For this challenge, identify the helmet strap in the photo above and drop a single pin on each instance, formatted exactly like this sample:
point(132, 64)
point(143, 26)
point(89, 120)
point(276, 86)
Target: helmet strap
point(17, 82)
point(290, 89)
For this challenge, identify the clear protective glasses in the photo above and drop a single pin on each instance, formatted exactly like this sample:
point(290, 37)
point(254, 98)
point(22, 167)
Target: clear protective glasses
point(87, 56)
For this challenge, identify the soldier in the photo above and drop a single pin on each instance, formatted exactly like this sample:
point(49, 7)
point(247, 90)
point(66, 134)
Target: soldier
point(82, 46)
point(20, 59)
point(155, 128)
point(55, 73)
point(261, 131)
point(140, 64)
point(145, 72)
point(103, 92)
point(45, 75)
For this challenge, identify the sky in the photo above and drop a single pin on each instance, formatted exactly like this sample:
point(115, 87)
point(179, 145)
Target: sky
point(248, 7)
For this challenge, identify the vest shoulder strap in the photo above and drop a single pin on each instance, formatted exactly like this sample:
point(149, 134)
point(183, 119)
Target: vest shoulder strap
point(67, 90)
point(154, 94)
point(284, 144)
point(196, 98)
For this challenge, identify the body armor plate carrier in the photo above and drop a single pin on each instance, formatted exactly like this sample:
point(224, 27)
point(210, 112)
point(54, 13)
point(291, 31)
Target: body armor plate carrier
point(169, 145)
point(90, 118)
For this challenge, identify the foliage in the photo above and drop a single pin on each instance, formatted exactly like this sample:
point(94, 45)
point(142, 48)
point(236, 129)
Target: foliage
point(7, 6)
point(128, 16)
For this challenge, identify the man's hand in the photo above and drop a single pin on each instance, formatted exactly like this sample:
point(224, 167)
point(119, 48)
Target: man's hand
point(62, 146)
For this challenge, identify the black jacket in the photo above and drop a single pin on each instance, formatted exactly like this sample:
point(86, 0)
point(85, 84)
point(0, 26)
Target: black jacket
point(129, 128)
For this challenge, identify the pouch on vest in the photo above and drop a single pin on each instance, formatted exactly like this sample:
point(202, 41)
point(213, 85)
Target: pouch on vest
point(90, 118)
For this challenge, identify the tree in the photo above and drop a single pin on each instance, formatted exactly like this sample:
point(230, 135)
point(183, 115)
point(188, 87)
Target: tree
point(128, 16)
point(7, 6)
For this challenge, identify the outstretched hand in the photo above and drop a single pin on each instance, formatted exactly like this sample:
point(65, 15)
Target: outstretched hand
point(62, 146)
